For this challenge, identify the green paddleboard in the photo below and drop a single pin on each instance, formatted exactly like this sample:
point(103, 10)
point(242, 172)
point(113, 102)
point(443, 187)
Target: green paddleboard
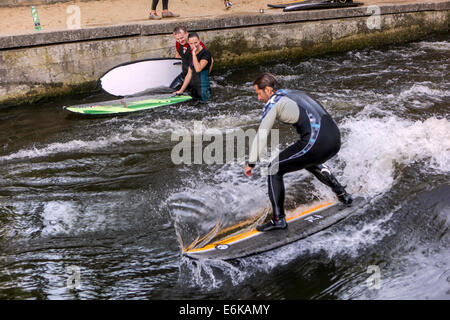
point(126, 105)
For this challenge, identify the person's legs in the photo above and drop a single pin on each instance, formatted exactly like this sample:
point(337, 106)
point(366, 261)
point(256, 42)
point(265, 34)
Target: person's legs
point(166, 13)
point(325, 176)
point(328, 144)
point(227, 4)
point(276, 195)
point(154, 4)
point(153, 14)
point(294, 158)
point(275, 185)
point(205, 85)
point(285, 163)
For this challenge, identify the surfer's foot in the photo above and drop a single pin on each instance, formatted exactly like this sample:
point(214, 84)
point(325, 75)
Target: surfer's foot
point(272, 225)
point(345, 198)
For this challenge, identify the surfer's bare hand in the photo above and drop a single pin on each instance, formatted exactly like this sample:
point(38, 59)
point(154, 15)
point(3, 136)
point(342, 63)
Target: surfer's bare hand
point(248, 170)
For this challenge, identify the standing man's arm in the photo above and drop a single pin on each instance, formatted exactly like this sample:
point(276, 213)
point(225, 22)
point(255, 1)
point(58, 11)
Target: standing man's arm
point(260, 140)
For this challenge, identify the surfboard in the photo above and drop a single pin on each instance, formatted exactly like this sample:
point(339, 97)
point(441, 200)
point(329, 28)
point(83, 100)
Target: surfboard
point(126, 105)
point(301, 223)
point(140, 76)
point(321, 4)
point(284, 4)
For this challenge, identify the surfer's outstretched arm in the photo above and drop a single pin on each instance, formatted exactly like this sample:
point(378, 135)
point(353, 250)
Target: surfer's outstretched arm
point(285, 110)
point(258, 144)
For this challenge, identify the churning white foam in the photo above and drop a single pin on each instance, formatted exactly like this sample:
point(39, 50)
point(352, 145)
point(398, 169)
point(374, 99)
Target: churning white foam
point(65, 147)
point(373, 147)
point(157, 131)
point(434, 45)
point(58, 217)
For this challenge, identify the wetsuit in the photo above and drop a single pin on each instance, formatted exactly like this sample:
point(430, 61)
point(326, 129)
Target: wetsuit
point(199, 85)
point(185, 54)
point(319, 141)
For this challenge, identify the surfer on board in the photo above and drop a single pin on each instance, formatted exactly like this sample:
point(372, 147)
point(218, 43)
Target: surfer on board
point(197, 77)
point(319, 141)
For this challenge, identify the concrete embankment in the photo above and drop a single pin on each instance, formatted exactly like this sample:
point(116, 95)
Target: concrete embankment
point(45, 64)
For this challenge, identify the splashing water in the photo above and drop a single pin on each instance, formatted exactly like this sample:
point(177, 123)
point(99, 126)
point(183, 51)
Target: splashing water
point(103, 194)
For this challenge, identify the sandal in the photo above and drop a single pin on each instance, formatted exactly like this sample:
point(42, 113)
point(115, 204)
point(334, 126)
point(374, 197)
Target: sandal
point(169, 14)
point(154, 16)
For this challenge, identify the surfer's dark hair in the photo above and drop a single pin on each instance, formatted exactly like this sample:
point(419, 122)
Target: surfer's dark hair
point(178, 29)
point(193, 35)
point(267, 80)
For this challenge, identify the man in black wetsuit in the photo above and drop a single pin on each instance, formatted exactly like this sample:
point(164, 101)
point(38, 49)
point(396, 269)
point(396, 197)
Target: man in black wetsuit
point(319, 141)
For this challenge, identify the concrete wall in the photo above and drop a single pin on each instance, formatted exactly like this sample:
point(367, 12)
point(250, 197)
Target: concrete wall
point(52, 63)
point(19, 3)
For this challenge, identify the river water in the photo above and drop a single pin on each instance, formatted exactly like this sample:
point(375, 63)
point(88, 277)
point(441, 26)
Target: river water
point(88, 205)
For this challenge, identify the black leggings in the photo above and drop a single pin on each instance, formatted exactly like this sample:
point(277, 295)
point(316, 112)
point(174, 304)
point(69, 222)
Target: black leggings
point(290, 159)
point(165, 4)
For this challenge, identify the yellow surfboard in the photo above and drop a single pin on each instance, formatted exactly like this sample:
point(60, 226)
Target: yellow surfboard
point(302, 222)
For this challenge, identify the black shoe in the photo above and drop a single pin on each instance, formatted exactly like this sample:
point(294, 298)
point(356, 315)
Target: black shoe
point(345, 198)
point(272, 225)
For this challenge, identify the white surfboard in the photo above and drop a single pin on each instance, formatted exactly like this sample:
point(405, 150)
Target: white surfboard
point(136, 77)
